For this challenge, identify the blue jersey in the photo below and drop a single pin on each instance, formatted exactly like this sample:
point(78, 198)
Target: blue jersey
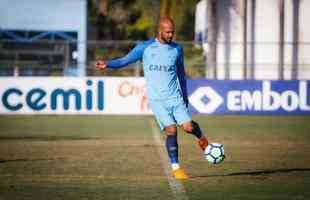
point(163, 68)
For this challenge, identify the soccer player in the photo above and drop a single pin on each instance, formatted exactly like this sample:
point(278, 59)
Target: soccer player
point(166, 87)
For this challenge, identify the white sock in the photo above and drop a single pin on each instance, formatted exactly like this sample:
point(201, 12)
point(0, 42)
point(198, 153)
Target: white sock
point(175, 166)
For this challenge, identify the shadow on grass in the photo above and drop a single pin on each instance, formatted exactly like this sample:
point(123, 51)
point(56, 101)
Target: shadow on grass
point(29, 160)
point(258, 173)
point(45, 138)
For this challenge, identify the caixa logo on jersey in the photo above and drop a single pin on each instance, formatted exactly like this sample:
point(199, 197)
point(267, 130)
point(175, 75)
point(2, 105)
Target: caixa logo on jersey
point(51, 95)
point(249, 97)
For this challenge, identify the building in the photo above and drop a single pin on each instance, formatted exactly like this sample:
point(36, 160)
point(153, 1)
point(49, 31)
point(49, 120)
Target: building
point(49, 20)
point(260, 39)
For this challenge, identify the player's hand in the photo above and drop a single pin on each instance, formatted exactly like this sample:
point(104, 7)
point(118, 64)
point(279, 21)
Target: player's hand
point(100, 64)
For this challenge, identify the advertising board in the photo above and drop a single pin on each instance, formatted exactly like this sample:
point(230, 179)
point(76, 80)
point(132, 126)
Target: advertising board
point(127, 96)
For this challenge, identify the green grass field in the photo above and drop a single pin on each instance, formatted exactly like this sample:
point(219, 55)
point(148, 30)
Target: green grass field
point(110, 157)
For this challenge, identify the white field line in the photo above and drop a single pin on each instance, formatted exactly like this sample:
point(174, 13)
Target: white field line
point(176, 186)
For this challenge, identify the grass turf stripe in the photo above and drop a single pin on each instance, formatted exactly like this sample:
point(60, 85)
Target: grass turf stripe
point(176, 186)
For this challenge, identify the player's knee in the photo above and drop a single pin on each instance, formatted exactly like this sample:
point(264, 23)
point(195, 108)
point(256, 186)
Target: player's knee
point(188, 127)
point(171, 130)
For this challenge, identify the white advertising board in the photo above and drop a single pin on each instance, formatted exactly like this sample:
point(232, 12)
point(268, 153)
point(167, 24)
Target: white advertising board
point(73, 96)
point(126, 96)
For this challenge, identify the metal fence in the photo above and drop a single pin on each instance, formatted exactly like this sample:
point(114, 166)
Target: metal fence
point(58, 58)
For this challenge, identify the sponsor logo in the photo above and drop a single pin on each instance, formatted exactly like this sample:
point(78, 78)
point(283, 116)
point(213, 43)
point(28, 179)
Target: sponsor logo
point(128, 89)
point(164, 68)
point(208, 100)
point(88, 97)
point(198, 98)
point(268, 99)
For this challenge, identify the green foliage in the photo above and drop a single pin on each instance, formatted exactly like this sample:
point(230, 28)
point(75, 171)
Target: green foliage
point(137, 20)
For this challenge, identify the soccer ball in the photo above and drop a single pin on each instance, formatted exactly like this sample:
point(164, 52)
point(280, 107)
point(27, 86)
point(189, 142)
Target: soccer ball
point(214, 153)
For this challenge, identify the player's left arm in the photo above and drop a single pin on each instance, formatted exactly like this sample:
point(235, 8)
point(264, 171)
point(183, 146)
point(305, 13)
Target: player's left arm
point(182, 75)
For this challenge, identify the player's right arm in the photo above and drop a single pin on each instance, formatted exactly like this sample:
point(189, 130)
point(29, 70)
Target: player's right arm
point(133, 56)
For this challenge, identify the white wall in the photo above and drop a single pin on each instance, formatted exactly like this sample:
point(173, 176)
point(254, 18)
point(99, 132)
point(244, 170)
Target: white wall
point(304, 37)
point(230, 47)
point(267, 38)
point(263, 31)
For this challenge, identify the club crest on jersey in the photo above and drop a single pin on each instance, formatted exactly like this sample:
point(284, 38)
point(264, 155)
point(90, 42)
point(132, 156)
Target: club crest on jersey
point(172, 58)
point(170, 48)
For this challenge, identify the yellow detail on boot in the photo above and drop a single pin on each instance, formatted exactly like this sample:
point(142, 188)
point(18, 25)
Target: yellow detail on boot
point(179, 174)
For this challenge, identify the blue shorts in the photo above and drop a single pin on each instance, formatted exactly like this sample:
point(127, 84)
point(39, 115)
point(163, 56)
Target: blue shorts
point(170, 111)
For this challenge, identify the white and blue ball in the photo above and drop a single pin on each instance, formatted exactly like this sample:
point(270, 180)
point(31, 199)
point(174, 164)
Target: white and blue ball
point(214, 153)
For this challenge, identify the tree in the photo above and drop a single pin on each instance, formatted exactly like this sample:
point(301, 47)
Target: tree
point(137, 20)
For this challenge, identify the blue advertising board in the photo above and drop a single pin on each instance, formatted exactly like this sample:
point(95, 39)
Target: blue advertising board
point(249, 97)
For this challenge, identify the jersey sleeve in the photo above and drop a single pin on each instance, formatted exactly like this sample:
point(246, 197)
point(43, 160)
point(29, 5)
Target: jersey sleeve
point(181, 75)
point(133, 56)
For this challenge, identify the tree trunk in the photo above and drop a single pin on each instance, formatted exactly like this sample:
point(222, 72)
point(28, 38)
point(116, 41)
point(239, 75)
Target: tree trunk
point(165, 8)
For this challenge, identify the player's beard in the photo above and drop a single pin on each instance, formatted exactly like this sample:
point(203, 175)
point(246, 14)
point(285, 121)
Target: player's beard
point(166, 39)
